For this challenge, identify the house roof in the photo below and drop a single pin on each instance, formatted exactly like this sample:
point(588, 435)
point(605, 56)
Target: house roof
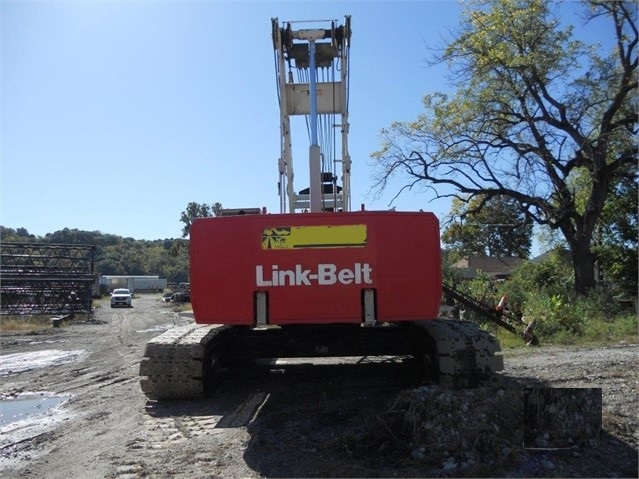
point(492, 266)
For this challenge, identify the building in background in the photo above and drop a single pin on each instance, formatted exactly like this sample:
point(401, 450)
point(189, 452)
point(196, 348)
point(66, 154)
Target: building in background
point(135, 284)
point(493, 267)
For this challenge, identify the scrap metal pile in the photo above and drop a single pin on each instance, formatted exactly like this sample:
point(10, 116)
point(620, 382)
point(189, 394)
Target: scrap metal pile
point(46, 278)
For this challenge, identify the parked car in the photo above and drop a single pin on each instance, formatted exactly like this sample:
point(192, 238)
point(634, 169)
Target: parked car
point(121, 297)
point(167, 297)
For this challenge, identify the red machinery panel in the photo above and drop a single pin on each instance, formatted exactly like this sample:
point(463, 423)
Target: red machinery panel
point(315, 266)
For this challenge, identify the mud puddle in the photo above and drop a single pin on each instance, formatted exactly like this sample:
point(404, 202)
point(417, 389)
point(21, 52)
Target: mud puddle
point(27, 406)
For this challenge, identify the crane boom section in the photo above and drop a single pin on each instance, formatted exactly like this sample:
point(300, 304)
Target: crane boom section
point(312, 70)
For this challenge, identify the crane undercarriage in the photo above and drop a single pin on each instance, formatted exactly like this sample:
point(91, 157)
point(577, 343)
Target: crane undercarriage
point(184, 362)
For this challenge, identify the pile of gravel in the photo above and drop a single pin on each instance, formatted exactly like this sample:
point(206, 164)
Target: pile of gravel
point(562, 418)
point(468, 431)
point(487, 432)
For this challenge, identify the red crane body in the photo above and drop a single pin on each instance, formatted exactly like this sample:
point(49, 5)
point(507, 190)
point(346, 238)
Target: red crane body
point(314, 268)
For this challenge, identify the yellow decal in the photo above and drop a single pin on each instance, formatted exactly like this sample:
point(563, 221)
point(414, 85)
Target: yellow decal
point(289, 237)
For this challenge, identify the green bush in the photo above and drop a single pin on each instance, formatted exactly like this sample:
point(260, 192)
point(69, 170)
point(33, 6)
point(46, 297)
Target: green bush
point(551, 276)
point(543, 291)
point(573, 319)
point(552, 314)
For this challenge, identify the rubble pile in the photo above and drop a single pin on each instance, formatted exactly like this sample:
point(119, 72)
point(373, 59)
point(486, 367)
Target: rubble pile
point(562, 418)
point(487, 432)
point(467, 430)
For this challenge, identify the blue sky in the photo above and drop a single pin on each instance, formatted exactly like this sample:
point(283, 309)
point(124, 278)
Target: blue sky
point(115, 115)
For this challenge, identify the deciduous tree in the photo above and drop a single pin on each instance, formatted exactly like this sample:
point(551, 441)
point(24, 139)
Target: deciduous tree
point(617, 234)
point(193, 211)
point(494, 228)
point(533, 106)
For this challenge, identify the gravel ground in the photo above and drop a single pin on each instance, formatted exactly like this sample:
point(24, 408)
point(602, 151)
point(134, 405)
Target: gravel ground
point(332, 418)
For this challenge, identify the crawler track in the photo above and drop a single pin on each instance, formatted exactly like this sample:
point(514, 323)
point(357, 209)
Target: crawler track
point(180, 363)
point(463, 353)
point(175, 364)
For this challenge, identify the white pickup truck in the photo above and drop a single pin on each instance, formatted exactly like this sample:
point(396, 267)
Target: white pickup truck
point(121, 297)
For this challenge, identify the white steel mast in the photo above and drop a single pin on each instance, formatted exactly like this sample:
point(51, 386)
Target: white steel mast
point(314, 55)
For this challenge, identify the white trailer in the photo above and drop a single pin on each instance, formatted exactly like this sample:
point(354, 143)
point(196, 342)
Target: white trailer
point(145, 283)
point(108, 283)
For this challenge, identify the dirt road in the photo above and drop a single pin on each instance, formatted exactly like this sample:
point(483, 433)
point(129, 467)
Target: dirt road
point(269, 420)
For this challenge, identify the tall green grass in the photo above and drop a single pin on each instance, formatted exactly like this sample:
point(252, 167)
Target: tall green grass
point(24, 323)
point(570, 328)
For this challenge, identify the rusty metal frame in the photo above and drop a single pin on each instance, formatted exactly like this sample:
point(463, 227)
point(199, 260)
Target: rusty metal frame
point(40, 278)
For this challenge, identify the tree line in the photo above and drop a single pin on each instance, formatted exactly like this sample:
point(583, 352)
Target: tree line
point(115, 255)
